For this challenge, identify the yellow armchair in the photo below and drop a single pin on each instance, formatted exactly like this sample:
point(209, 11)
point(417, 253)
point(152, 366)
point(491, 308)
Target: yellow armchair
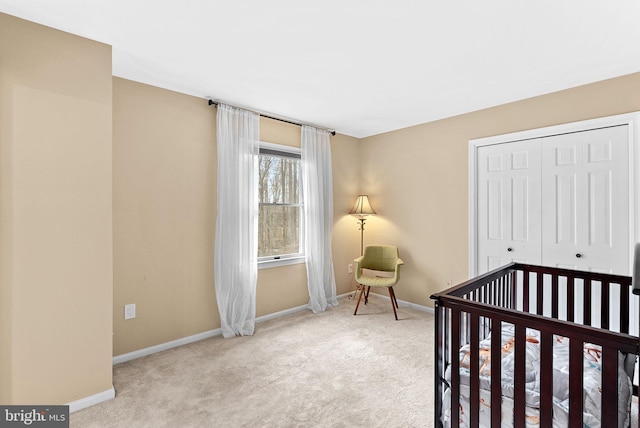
point(379, 258)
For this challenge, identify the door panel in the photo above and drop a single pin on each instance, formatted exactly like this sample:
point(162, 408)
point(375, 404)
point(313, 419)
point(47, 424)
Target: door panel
point(520, 209)
point(565, 212)
point(599, 208)
point(508, 204)
point(495, 202)
point(585, 214)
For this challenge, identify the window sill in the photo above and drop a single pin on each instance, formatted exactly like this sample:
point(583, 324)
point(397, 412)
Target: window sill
point(271, 263)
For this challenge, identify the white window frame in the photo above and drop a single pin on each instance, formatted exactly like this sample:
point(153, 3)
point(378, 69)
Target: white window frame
point(285, 259)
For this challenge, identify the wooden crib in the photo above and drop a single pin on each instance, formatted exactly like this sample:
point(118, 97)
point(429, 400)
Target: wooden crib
point(593, 314)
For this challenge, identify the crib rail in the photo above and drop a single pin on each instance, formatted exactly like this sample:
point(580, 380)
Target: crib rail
point(586, 307)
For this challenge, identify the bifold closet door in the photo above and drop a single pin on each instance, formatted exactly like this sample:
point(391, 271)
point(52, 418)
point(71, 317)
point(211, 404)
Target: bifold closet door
point(585, 207)
point(509, 215)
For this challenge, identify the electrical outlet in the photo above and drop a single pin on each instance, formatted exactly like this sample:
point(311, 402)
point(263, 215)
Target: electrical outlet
point(350, 268)
point(129, 311)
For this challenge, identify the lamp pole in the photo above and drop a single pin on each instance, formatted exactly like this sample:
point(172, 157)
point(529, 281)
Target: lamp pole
point(361, 224)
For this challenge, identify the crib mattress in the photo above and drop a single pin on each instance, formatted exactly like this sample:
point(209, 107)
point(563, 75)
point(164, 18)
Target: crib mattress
point(592, 380)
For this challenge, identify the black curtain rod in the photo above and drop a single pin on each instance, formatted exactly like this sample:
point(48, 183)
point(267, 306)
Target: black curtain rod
point(214, 103)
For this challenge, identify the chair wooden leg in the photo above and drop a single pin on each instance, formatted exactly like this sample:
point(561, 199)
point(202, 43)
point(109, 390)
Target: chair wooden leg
point(366, 296)
point(394, 296)
point(360, 297)
point(393, 299)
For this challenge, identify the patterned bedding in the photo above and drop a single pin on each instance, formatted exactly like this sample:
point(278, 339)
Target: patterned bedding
point(592, 391)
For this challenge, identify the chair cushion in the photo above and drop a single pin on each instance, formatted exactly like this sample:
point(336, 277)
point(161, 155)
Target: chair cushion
point(377, 281)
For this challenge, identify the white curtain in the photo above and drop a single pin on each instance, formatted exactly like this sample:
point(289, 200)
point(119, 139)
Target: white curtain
point(317, 185)
point(236, 243)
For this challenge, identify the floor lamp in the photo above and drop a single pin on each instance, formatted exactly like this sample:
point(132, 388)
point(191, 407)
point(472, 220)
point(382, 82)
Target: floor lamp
point(361, 209)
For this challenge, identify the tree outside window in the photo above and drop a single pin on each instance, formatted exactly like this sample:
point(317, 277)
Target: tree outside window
point(280, 205)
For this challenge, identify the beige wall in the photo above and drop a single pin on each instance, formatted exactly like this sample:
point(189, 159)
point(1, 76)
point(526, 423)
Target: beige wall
point(345, 159)
point(60, 261)
point(164, 215)
point(417, 178)
point(164, 206)
point(55, 227)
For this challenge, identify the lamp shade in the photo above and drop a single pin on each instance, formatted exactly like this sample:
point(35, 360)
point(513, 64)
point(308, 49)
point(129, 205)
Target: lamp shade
point(362, 207)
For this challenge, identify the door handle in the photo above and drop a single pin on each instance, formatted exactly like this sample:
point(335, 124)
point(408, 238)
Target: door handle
point(509, 249)
point(578, 255)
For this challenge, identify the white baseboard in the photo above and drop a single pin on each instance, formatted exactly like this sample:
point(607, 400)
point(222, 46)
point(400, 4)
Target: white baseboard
point(194, 338)
point(165, 346)
point(281, 313)
point(110, 394)
point(406, 304)
point(416, 306)
point(217, 332)
point(92, 400)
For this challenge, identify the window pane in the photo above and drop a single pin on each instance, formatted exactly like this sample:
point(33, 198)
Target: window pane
point(279, 180)
point(278, 230)
point(280, 213)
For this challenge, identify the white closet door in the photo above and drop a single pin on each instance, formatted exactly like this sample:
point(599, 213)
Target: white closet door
point(585, 206)
point(509, 221)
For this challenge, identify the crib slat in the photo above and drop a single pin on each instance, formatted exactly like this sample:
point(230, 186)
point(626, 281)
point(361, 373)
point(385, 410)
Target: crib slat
point(609, 384)
point(474, 368)
point(546, 379)
point(455, 367)
point(441, 361)
point(525, 291)
point(604, 311)
point(512, 290)
point(540, 296)
point(519, 377)
point(554, 296)
point(496, 373)
point(587, 302)
point(576, 382)
point(503, 291)
point(636, 404)
point(624, 308)
point(571, 281)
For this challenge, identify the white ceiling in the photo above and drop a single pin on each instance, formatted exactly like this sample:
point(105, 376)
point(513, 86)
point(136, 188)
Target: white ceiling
point(361, 67)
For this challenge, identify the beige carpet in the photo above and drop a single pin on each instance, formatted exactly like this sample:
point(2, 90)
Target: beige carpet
point(302, 370)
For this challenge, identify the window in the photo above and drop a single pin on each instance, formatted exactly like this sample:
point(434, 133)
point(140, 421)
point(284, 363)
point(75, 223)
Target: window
point(280, 219)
